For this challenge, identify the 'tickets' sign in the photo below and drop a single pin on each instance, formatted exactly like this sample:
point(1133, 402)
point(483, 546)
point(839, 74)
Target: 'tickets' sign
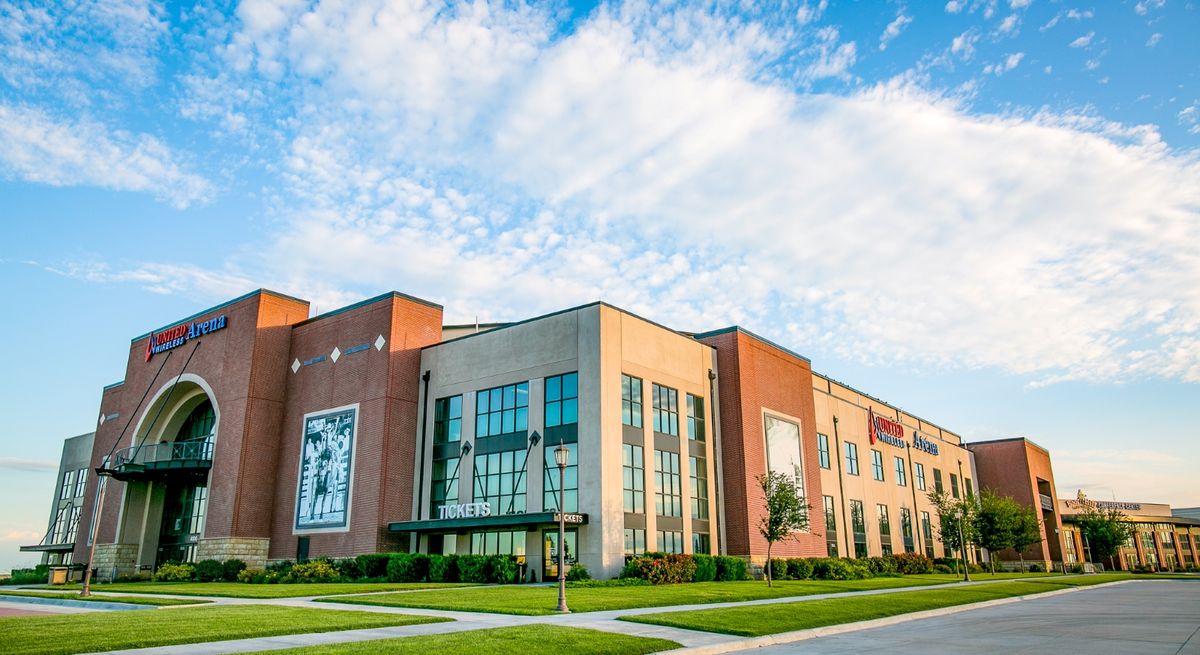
point(465, 510)
point(174, 337)
point(885, 430)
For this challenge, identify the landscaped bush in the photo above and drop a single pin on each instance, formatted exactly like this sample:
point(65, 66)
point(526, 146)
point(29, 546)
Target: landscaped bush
point(501, 568)
point(975, 568)
point(578, 572)
point(779, 569)
point(1142, 568)
point(174, 572)
point(135, 577)
point(942, 568)
point(832, 568)
point(472, 568)
point(663, 569)
point(912, 563)
point(706, 568)
point(879, 565)
point(252, 576)
point(443, 568)
point(1075, 568)
point(731, 569)
point(408, 567)
point(281, 567)
point(209, 570)
point(38, 574)
point(374, 565)
point(615, 582)
point(230, 569)
point(799, 568)
point(318, 570)
point(348, 569)
point(1033, 568)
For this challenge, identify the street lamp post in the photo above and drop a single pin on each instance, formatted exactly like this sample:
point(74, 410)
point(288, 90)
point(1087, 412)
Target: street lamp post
point(561, 455)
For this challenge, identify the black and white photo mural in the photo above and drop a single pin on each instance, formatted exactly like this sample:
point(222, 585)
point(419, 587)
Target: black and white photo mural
point(326, 458)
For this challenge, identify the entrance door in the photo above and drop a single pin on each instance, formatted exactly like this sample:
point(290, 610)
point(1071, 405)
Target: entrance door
point(182, 521)
point(550, 552)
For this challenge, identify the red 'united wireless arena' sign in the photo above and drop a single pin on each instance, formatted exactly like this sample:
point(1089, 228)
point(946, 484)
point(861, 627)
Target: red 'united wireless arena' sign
point(174, 337)
point(885, 430)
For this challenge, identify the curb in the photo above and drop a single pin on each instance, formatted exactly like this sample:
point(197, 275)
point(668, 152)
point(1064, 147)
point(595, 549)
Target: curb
point(831, 630)
point(82, 604)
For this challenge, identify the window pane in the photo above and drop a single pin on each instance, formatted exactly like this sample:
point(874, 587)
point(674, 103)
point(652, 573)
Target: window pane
point(553, 388)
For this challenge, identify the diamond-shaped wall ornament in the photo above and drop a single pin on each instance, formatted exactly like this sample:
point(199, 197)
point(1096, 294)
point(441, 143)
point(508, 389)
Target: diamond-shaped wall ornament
point(335, 354)
point(379, 342)
point(101, 419)
point(295, 365)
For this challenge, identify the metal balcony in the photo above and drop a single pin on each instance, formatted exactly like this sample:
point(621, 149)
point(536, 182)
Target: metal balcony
point(160, 460)
point(1047, 502)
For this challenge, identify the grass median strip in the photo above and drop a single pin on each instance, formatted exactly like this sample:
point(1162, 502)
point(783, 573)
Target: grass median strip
point(243, 590)
point(132, 600)
point(104, 631)
point(758, 620)
point(530, 600)
point(527, 640)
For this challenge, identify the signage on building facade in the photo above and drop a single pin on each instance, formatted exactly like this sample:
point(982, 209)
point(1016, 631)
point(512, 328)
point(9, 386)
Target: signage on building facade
point(924, 444)
point(174, 337)
point(1085, 503)
point(569, 518)
point(465, 510)
point(884, 429)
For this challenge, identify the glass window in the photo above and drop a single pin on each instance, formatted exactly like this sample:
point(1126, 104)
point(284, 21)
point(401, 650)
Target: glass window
point(668, 486)
point(783, 450)
point(885, 529)
point(199, 508)
point(695, 417)
point(823, 450)
point(954, 485)
point(444, 489)
point(670, 541)
point(59, 535)
point(700, 543)
point(81, 477)
point(73, 524)
point(571, 484)
point(920, 473)
point(937, 480)
point(666, 409)
point(447, 420)
point(500, 480)
point(858, 522)
point(970, 487)
point(635, 541)
point(562, 399)
point(634, 479)
point(631, 400)
point(906, 529)
point(550, 552)
point(68, 485)
point(877, 465)
point(851, 458)
point(901, 478)
point(699, 480)
point(502, 542)
point(927, 533)
point(502, 410)
point(831, 542)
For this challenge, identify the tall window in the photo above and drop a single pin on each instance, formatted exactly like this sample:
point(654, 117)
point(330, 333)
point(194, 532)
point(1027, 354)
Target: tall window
point(701, 543)
point(906, 529)
point(920, 473)
point(631, 401)
point(927, 533)
point(59, 535)
point(859, 523)
point(970, 487)
point(937, 480)
point(562, 399)
point(831, 540)
point(885, 529)
point(877, 465)
point(447, 420)
point(502, 410)
point(73, 524)
point(444, 489)
point(699, 479)
point(666, 409)
point(954, 485)
point(571, 484)
point(668, 487)
point(503, 542)
point(634, 480)
point(823, 450)
point(497, 481)
point(80, 482)
point(851, 458)
point(695, 417)
point(635, 541)
point(901, 478)
point(783, 450)
point(68, 485)
point(670, 541)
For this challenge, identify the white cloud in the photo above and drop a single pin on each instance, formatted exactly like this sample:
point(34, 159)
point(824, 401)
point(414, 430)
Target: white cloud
point(1143, 7)
point(1083, 41)
point(17, 464)
point(37, 147)
point(1019, 4)
point(1154, 39)
point(963, 45)
point(1010, 62)
point(1189, 117)
point(893, 30)
point(1009, 24)
point(954, 6)
point(807, 13)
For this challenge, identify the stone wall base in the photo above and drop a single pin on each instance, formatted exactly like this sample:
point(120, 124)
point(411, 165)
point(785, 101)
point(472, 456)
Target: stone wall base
point(112, 560)
point(252, 551)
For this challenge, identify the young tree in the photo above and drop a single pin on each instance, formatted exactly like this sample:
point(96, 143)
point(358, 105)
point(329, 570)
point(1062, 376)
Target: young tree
point(1026, 532)
point(1002, 523)
point(1105, 531)
point(786, 511)
point(956, 524)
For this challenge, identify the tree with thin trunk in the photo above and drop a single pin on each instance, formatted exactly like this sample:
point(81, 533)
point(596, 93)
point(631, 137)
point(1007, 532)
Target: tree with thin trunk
point(956, 524)
point(1027, 531)
point(996, 523)
point(1105, 530)
point(786, 511)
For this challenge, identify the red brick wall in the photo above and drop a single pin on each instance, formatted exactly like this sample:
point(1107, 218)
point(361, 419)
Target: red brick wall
point(754, 376)
point(1011, 467)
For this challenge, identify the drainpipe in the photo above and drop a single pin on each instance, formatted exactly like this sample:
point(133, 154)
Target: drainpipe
point(412, 545)
point(718, 467)
point(846, 527)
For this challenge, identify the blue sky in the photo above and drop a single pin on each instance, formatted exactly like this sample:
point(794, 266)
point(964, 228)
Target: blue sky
point(987, 213)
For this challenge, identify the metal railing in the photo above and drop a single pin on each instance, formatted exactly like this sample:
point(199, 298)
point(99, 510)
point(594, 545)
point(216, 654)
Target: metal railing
point(161, 453)
point(1047, 502)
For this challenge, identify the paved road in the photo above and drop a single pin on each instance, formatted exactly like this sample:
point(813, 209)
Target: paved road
point(1138, 617)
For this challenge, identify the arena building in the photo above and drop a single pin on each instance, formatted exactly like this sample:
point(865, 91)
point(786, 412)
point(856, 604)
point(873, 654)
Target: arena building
point(1162, 540)
point(254, 431)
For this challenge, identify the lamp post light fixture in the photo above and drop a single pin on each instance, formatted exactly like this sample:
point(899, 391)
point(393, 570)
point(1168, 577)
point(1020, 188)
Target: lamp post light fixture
point(561, 455)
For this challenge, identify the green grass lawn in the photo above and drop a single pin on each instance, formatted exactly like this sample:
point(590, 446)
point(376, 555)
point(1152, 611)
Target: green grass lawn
point(133, 600)
point(758, 620)
point(527, 640)
point(241, 590)
point(542, 600)
point(104, 631)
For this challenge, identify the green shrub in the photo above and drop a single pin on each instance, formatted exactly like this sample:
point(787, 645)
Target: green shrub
point(578, 572)
point(281, 567)
point(443, 568)
point(175, 572)
point(832, 568)
point(1033, 568)
point(669, 569)
point(731, 569)
point(408, 567)
point(799, 568)
point(706, 568)
point(348, 569)
point(975, 568)
point(36, 575)
point(912, 563)
point(209, 570)
point(472, 568)
point(501, 568)
point(252, 576)
point(615, 582)
point(318, 570)
point(373, 565)
point(135, 577)
point(942, 568)
point(880, 565)
point(779, 569)
point(230, 569)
